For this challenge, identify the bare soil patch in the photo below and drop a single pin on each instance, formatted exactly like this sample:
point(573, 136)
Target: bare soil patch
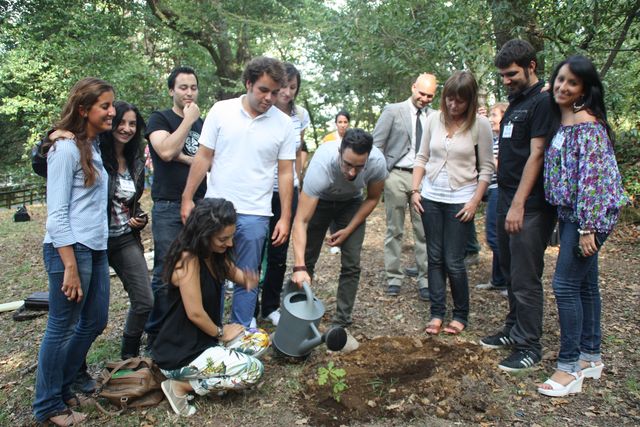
point(407, 378)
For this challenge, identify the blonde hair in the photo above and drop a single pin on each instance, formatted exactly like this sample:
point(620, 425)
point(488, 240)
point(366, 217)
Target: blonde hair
point(502, 106)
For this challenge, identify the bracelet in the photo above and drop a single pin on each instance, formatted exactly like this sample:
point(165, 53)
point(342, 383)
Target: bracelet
point(297, 268)
point(220, 332)
point(414, 192)
point(585, 232)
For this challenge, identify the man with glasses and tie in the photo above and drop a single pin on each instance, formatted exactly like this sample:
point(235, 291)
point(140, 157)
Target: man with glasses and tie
point(333, 191)
point(397, 134)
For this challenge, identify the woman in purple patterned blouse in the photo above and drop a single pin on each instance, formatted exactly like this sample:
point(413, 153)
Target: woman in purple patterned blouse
point(582, 180)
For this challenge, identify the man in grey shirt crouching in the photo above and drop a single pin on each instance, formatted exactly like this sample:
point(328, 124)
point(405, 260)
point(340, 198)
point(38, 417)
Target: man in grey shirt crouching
point(333, 191)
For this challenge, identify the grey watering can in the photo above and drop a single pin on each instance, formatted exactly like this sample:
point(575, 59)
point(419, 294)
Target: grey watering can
point(297, 331)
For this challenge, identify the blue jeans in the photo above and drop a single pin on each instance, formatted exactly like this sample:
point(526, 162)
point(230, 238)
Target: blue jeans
point(166, 225)
point(251, 232)
point(71, 327)
point(575, 285)
point(276, 259)
point(491, 232)
point(447, 238)
point(472, 246)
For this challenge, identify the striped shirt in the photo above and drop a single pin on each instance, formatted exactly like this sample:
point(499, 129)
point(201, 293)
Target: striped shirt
point(494, 178)
point(75, 213)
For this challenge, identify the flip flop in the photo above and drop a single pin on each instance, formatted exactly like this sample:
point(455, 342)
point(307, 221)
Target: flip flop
point(433, 328)
point(452, 329)
point(80, 401)
point(65, 418)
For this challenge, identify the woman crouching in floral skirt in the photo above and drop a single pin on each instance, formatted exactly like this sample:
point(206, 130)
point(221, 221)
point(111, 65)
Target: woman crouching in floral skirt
point(193, 349)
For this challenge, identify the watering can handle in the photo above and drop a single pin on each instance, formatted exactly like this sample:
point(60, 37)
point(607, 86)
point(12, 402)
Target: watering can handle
point(309, 295)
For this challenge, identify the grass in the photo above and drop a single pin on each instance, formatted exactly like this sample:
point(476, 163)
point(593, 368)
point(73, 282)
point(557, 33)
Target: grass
point(103, 349)
point(633, 385)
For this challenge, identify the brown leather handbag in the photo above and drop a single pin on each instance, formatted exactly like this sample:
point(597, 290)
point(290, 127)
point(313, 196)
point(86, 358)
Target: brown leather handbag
point(131, 383)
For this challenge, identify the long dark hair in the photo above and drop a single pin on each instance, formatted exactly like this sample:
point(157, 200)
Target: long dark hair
point(209, 217)
point(292, 72)
point(132, 149)
point(84, 94)
point(593, 97)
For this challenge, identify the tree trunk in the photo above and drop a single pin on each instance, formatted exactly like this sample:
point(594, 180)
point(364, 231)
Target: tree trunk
point(516, 19)
point(215, 40)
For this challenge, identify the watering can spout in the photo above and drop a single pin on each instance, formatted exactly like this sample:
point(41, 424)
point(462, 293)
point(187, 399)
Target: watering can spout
point(335, 338)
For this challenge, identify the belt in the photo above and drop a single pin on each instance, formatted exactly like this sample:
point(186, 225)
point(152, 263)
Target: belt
point(410, 170)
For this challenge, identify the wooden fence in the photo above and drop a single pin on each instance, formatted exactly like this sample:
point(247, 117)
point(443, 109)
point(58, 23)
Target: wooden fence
point(27, 195)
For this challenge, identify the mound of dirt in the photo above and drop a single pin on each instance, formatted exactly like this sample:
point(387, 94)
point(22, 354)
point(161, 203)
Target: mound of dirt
point(405, 377)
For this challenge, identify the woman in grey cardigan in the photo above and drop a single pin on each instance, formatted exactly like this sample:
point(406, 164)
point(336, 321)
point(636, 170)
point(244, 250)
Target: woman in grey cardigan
point(451, 173)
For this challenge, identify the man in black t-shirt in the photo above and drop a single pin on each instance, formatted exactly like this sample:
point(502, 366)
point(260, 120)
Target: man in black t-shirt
point(525, 220)
point(173, 136)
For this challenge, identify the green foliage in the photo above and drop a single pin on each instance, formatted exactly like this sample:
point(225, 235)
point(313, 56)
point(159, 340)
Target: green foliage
point(628, 156)
point(355, 54)
point(48, 45)
point(333, 377)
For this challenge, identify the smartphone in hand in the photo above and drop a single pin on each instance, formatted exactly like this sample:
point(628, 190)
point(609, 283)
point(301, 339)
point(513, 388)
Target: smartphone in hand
point(578, 250)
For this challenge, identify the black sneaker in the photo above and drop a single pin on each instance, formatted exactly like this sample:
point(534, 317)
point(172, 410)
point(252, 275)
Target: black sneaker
point(393, 290)
point(83, 383)
point(519, 360)
point(499, 340)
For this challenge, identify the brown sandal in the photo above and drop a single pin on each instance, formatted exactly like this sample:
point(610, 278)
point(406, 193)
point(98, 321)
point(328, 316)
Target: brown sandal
point(433, 328)
point(66, 418)
point(452, 329)
point(80, 401)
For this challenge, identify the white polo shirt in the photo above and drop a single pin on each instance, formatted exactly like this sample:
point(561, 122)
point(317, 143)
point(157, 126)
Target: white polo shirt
point(247, 151)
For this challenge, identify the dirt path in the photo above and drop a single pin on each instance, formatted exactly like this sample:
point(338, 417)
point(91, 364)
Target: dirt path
point(399, 376)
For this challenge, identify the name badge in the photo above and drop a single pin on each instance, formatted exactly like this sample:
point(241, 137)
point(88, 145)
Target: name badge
point(507, 130)
point(558, 141)
point(127, 185)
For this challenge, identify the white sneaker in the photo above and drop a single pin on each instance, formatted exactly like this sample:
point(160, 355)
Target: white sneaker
point(274, 317)
point(335, 250)
point(253, 324)
point(351, 345)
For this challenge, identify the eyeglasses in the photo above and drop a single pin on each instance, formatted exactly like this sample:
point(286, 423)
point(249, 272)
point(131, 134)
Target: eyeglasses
point(349, 166)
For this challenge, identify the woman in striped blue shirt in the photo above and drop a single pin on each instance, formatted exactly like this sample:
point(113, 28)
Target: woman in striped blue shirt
point(74, 250)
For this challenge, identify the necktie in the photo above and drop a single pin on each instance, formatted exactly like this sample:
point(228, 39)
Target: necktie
point(418, 131)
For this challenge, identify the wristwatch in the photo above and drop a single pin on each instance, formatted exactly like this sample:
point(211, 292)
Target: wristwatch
point(220, 332)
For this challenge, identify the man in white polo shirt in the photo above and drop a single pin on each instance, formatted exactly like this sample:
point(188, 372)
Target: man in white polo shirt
point(242, 141)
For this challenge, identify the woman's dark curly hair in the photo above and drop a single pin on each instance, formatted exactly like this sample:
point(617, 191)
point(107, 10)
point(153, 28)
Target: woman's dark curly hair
point(209, 217)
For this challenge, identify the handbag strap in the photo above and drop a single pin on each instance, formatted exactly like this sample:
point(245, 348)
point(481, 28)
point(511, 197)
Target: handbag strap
point(133, 363)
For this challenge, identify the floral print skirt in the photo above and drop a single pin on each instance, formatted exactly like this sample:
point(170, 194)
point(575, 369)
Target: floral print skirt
point(231, 367)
